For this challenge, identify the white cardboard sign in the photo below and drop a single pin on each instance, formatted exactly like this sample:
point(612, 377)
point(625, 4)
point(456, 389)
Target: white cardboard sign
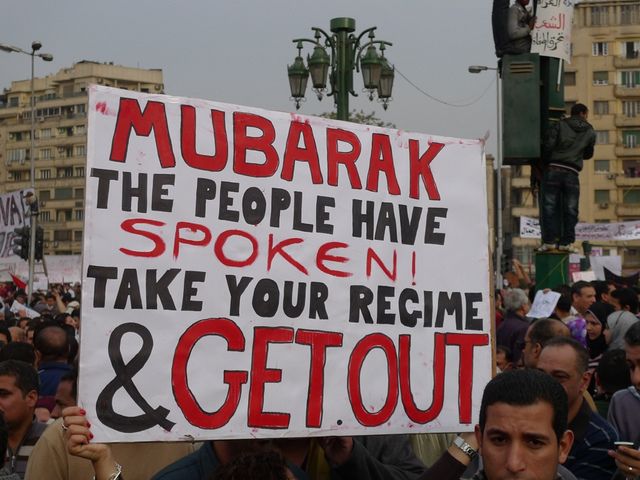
point(249, 273)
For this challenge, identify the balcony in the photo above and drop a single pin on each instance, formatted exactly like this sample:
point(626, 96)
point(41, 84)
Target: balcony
point(520, 182)
point(622, 151)
point(529, 211)
point(622, 91)
point(630, 210)
point(624, 121)
point(627, 181)
point(622, 62)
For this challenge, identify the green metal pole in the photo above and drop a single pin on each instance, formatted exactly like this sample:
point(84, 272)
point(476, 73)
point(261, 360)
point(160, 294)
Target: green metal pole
point(342, 27)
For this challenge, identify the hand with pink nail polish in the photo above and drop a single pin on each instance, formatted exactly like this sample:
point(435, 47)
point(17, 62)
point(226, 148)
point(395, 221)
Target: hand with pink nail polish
point(78, 435)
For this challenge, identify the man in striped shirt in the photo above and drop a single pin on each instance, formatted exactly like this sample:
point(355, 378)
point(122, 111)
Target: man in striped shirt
point(566, 360)
point(18, 398)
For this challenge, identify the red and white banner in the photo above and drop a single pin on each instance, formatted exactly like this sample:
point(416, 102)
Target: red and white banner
point(249, 273)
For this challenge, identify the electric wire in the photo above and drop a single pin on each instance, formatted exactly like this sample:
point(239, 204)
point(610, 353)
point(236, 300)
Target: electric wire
point(449, 104)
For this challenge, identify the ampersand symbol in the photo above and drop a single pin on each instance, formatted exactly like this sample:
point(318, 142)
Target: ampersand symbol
point(124, 375)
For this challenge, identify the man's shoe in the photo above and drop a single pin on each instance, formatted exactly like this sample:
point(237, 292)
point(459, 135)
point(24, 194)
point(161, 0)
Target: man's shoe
point(546, 247)
point(568, 249)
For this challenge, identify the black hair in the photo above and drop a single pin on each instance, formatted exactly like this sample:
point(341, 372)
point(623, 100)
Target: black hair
point(627, 298)
point(632, 337)
point(25, 376)
point(582, 356)
point(72, 376)
point(578, 109)
point(4, 330)
point(545, 329)
point(523, 388)
point(508, 356)
point(268, 465)
point(612, 370)
point(576, 288)
point(564, 303)
point(18, 351)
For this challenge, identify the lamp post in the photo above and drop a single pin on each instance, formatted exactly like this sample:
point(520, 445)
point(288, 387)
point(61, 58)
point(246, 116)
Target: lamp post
point(346, 55)
point(499, 233)
point(33, 202)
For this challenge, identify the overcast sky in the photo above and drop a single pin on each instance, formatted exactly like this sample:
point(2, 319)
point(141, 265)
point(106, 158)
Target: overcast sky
point(237, 51)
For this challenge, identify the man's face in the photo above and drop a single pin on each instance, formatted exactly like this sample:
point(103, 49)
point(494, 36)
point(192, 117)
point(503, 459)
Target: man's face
point(501, 361)
point(518, 442)
point(562, 364)
point(17, 408)
point(583, 300)
point(64, 398)
point(633, 360)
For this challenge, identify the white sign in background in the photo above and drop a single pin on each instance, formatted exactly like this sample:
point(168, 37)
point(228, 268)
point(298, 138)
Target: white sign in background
point(551, 36)
point(12, 216)
point(234, 348)
point(530, 228)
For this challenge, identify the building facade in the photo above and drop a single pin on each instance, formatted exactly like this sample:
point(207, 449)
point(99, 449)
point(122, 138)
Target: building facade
point(60, 142)
point(604, 74)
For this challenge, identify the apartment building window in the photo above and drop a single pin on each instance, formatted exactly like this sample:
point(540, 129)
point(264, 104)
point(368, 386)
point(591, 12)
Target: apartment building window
point(45, 154)
point(630, 78)
point(64, 193)
point(631, 49)
point(79, 193)
point(602, 137)
point(601, 196)
point(79, 171)
point(601, 107)
point(44, 195)
point(81, 108)
point(77, 236)
point(569, 78)
point(45, 216)
point(17, 155)
point(79, 215)
point(45, 174)
point(65, 172)
point(13, 101)
point(600, 78)
point(601, 166)
point(631, 196)
point(631, 138)
point(631, 108)
point(81, 150)
point(80, 130)
point(600, 49)
point(599, 16)
point(631, 168)
point(17, 176)
point(64, 215)
point(45, 133)
point(62, 235)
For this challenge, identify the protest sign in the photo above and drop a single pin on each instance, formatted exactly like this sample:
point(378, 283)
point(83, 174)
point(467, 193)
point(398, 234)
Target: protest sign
point(249, 273)
point(12, 216)
point(551, 36)
point(530, 228)
point(544, 303)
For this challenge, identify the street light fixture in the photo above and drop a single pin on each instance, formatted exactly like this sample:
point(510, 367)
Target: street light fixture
point(499, 233)
point(346, 55)
point(33, 206)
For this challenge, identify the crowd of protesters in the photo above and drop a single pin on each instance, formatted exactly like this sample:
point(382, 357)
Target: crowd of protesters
point(590, 345)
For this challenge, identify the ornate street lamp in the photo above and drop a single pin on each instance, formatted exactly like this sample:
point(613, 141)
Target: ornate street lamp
point(346, 56)
point(298, 77)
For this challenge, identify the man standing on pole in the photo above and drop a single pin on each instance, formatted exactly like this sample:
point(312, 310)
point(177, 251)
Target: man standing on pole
point(566, 144)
